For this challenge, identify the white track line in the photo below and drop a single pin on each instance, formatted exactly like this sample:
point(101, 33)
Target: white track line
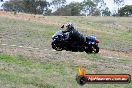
point(13, 45)
point(110, 57)
point(36, 48)
point(77, 53)
point(45, 49)
point(53, 50)
point(3, 44)
point(20, 46)
point(30, 47)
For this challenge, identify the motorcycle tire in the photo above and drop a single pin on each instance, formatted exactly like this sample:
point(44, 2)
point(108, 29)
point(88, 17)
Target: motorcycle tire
point(96, 49)
point(92, 49)
point(55, 46)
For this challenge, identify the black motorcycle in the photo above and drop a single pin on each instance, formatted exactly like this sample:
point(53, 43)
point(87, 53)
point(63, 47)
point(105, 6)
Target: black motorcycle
point(60, 42)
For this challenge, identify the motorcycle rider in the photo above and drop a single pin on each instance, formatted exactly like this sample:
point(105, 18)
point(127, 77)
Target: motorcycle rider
point(74, 36)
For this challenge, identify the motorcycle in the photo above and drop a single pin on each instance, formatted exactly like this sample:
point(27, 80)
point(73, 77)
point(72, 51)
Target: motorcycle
point(60, 42)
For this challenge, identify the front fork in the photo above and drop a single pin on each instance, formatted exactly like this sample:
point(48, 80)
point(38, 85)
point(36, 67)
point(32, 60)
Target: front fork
point(91, 47)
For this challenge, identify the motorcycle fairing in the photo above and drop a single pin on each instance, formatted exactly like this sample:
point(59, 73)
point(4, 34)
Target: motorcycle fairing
point(90, 40)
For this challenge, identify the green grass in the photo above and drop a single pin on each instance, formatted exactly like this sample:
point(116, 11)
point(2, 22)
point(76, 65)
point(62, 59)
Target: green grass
point(107, 36)
point(27, 72)
point(15, 60)
point(21, 71)
point(52, 74)
point(31, 28)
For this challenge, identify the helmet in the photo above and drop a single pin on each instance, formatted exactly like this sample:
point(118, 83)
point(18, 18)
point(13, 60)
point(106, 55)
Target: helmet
point(69, 25)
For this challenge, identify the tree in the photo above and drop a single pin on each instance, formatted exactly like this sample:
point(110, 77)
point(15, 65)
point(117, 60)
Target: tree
point(100, 3)
point(58, 3)
point(63, 11)
point(27, 6)
point(47, 12)
point(76, 8)
point(96, 12)
point(119, 3)
point(13, 5)
point(42, 6)
point(125, 11)
point(106, 12)
point(8, 6)
point(88, 7)
point(73, 9)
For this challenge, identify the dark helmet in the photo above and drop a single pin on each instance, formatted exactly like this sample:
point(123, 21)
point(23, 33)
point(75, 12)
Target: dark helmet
point(69, 25)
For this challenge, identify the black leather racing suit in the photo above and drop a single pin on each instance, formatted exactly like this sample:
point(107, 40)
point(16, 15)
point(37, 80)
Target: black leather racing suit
point(75, 37)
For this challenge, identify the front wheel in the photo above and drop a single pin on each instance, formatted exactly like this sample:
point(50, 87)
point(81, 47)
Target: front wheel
point(56, 47)
point(92, 49)
point(96, 49)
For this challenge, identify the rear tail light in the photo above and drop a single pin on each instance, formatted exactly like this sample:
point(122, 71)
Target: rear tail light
point(97, 41)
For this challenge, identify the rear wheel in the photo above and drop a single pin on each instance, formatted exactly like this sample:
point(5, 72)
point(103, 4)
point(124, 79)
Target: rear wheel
point(88, 50)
